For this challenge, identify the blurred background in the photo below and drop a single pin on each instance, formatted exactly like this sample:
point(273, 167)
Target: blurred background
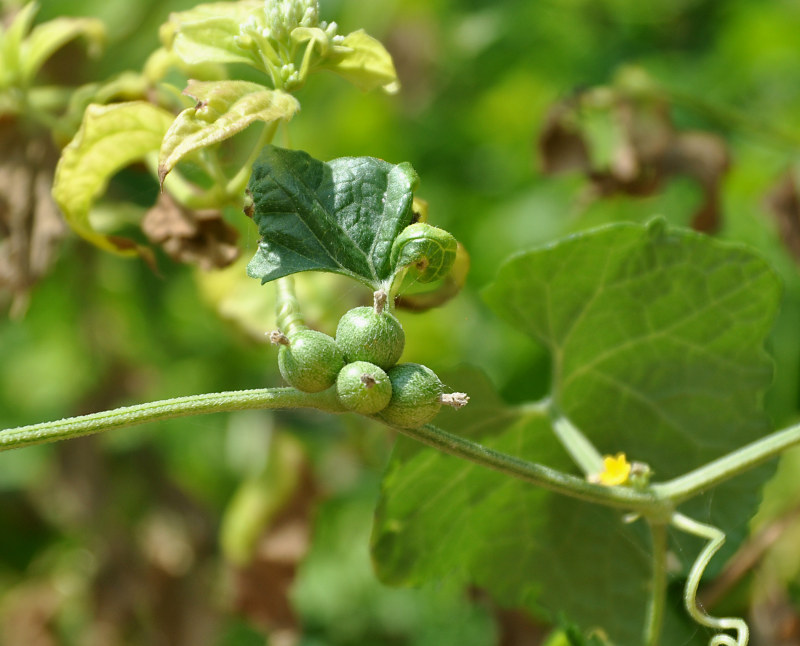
point(526, 121)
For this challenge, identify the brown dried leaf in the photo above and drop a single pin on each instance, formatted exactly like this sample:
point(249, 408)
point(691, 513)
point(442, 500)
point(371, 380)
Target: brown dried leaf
point(647, 149)
point(561, 145)
point(774, 619)
point(704, 157)
point(202, 237)
point(30, 224)
point(784, 202)
point(28, 615)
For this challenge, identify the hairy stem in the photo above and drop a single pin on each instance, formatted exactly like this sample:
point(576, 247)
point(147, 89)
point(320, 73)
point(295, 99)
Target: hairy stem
point(287, 308)
point(327, 401)
point(557, 481)
point(730, 465)
point(167, 409)
point(658, 585)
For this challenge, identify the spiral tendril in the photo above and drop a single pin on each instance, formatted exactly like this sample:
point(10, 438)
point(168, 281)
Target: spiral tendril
point(716, 538)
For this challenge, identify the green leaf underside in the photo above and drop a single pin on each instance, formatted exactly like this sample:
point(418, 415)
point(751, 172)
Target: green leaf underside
point(224, 109)
point(675, 324)
point(110, 138)
point(339, 216)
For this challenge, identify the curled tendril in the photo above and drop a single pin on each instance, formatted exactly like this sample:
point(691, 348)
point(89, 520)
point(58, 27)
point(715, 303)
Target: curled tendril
point(432, 251)
point(715, 539)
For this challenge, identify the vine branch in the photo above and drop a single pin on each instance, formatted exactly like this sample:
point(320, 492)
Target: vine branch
point(728, 466)
point(327, 401)
point(260, 398)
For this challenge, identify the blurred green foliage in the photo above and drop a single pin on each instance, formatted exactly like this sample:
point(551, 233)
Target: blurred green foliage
point(115, 540)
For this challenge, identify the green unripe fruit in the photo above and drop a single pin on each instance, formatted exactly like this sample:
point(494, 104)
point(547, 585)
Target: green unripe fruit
point(309, 360)
point(363, 388)
point(430, 249)
point(364, 334)
point(416, 396)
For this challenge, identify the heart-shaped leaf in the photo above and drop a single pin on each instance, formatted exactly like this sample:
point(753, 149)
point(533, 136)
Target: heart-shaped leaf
point(340, 216)
point(656, 339)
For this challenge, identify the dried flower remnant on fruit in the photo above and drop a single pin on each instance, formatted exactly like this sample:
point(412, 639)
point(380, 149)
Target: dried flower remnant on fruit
point(363, 387)
point(454, 400)
point(380, 298)
point(616, 471)
point(276, 337)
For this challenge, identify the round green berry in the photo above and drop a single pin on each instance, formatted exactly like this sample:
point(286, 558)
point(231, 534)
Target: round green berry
point(364, 334)
point(309, 360)
point(416, 396)
point(363, 388)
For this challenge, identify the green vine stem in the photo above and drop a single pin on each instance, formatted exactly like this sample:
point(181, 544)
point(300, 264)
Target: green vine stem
point(327, 401)
point(540, 475)
point(288, 315)
point(658, 584)
point(261, 398)
point(743, 459)
point(715, 538)
point(581, 450)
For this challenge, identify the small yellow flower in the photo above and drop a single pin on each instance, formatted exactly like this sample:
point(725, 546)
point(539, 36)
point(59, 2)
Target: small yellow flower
point(616, 470)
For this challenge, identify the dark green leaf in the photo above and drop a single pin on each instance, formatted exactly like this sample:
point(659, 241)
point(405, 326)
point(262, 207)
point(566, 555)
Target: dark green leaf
point(340, 216)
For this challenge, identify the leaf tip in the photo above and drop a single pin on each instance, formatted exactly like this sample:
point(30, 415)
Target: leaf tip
point(163, 171)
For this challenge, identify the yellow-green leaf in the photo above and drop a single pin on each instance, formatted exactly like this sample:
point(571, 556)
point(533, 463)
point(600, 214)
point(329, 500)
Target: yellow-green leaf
point(11, 43)
point(49, 37)
point(364, 61)
point(223, 109)
point(209, 33)
point(110, 138)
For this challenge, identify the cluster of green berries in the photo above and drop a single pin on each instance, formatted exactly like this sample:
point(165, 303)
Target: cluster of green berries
point(361, 363)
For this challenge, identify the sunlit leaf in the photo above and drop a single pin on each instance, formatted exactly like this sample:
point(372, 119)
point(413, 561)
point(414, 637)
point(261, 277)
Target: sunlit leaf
point(223, 109)
point(364, 62)
point(110, 138)
point(209, 32)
